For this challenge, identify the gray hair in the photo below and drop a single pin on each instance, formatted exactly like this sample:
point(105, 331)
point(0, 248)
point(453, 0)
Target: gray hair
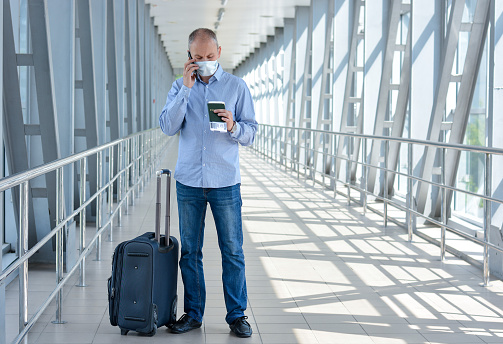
point(202, 33)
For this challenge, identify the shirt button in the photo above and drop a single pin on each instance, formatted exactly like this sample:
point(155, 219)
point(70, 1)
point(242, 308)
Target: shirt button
point(204, 165)
point(204, 148)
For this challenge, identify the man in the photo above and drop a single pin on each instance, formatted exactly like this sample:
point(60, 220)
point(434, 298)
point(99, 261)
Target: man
point(207, 171)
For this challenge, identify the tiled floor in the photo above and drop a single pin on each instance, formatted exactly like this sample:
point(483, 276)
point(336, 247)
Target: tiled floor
point(317, 272)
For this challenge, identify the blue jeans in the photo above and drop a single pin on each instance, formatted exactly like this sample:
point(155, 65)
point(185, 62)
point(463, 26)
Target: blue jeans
point(225, 205)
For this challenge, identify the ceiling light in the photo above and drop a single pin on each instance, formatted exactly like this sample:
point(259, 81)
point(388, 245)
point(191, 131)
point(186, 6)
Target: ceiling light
point(221, 13)
point(216, 25)
point(224, 2)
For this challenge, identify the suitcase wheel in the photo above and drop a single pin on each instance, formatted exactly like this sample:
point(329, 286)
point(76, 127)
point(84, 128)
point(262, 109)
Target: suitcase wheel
point(172, 315)
point(152, 333)
point(124, 332)
point(154, 314)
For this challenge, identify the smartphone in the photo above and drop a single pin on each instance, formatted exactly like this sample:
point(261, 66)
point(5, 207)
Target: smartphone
point(190, 58)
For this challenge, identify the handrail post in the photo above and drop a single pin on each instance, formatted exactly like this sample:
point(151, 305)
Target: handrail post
point(487, 217)
point(278, 146)
point(143, 144)
point(137, 168)
point(335, 164)
point(410, 197)
point(59, 244)
point(82, 220)
point(313, 162)
point(22, 249)
point(443, 207)
point(142, 161)
point(149, 155)
point(120, 164)
point(323, 159)
point(285, 148)
point(386, 152)
point(297, 149)
point(270, 143)
point(270, 138)
point(99, 201)
point(348, 170)
point(292, 148)
point(273, 144)
point(364, 174)
point(306, 133)
point(110, 191)
point(134, 154)
point(126, 181)
point(312, 140)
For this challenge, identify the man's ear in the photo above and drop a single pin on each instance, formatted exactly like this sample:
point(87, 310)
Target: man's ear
point(219, 51)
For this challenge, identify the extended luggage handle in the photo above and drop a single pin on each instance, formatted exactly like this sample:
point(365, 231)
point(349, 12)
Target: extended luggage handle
point(158, 207)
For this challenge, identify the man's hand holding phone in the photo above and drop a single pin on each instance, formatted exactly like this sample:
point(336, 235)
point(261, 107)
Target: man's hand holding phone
point(189, 68)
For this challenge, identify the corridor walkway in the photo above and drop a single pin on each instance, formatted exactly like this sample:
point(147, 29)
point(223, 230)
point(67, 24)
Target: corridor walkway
point(318, 272)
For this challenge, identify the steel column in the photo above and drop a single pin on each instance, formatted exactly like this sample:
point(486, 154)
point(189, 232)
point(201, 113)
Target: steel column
point(324, 92)
point(474, 53)
point(139, 45)
point(437, 114)
point(383, 105)
point(494, 125)
point(352, 110)
point(399, 116)
point(42, 62)
point(88, 85)
point(128, 88)
point(14, 138)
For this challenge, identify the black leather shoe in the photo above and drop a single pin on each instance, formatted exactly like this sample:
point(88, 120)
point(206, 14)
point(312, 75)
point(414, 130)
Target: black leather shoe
point(241, 328)
point(185, 324)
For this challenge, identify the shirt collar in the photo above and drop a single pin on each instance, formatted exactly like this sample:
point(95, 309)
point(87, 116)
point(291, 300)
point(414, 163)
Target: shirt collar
point(218, 74)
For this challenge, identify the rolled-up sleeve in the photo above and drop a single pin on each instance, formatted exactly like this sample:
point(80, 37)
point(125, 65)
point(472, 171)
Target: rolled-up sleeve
point(173, 113)
point(246, 125)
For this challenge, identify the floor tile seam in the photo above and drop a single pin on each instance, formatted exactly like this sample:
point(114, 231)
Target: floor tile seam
point(99, 325)
point(375, 334)
point(256, 324)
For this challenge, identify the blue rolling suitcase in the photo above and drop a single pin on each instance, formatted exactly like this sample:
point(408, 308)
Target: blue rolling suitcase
point(142, 289)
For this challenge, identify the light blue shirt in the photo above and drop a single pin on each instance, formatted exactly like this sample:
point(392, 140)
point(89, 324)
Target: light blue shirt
point(208, 159)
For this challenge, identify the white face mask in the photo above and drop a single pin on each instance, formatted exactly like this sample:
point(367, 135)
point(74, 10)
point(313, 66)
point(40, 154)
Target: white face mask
point(207, 68)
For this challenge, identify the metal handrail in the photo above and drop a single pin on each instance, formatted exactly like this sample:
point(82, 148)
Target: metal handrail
point(138, 147)
point(270, 137)
point(463, 147)
point(18, 178)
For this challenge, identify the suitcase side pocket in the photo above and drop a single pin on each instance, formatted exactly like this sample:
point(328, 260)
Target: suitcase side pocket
point(114, 283)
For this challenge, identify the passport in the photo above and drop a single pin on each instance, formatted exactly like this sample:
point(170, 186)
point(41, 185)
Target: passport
point(216, 123)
